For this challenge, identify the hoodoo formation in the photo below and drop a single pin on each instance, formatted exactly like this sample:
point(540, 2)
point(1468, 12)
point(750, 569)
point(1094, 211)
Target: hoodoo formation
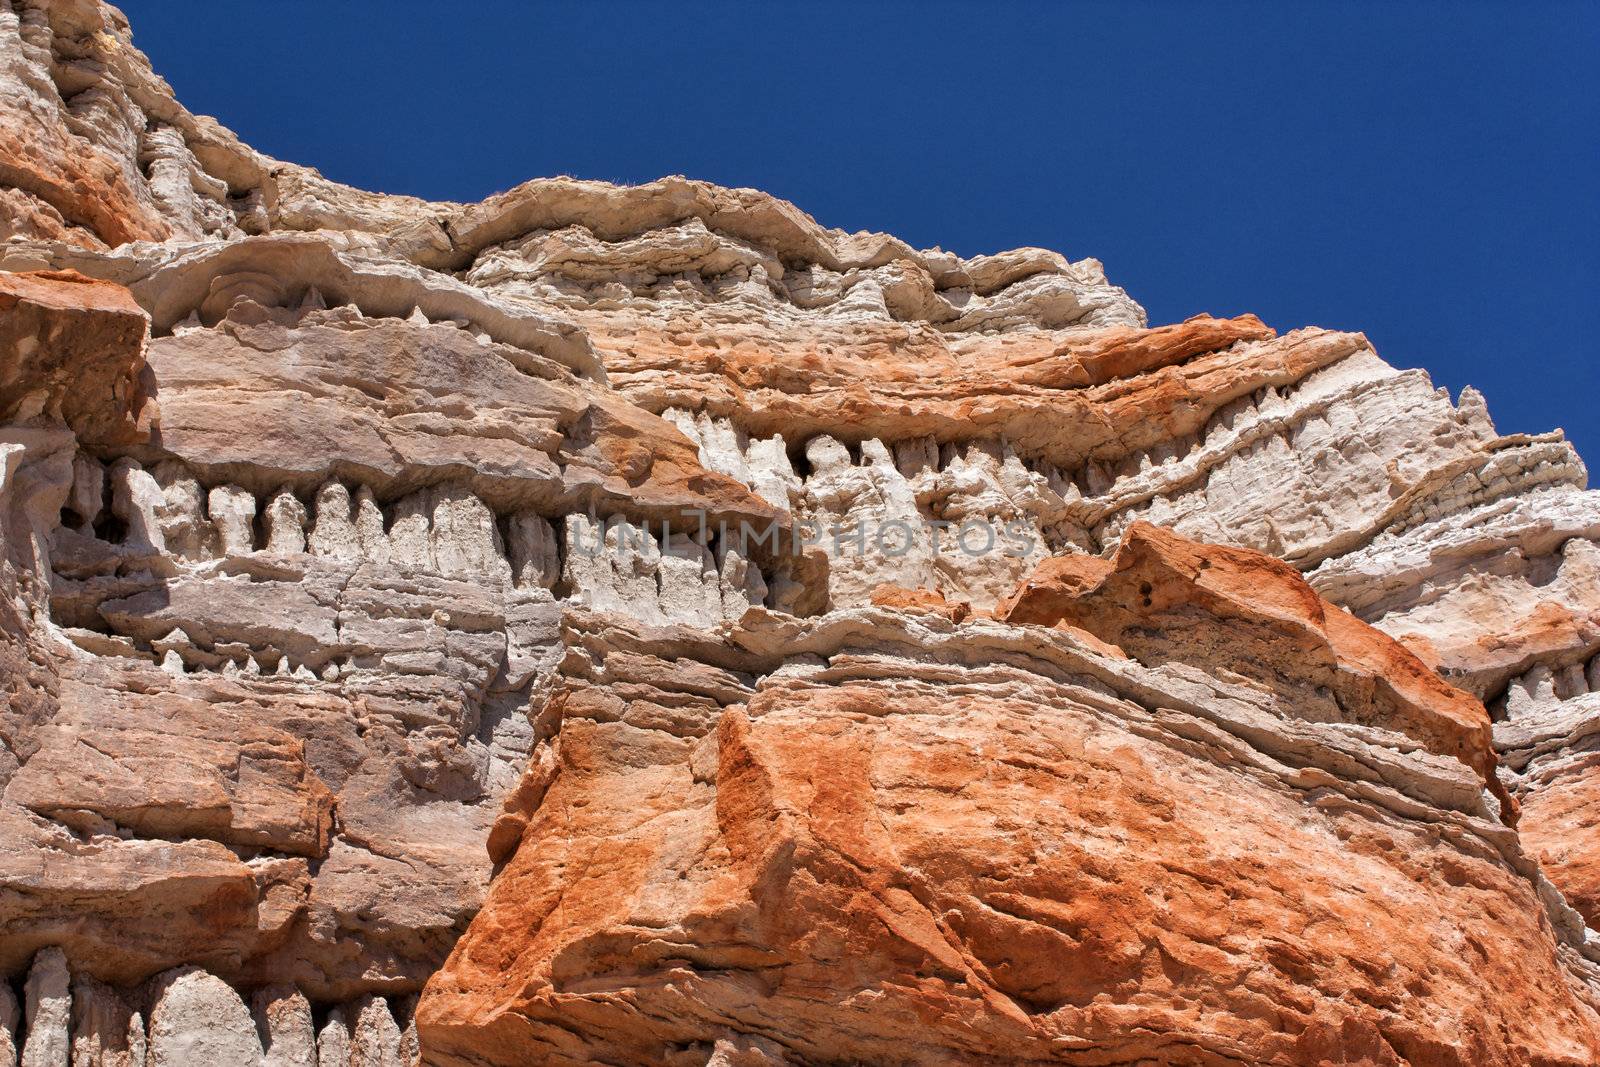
point(638, 625)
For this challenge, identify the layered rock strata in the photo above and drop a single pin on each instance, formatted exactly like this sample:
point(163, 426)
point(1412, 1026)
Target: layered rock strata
point(882, 836)
point(811, 648)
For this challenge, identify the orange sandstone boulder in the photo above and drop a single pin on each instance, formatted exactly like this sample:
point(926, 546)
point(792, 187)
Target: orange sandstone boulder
point(882, 839)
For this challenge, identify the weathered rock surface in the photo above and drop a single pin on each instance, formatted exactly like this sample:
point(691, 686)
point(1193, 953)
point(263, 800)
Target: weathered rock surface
point(75, 352)
point(284, 1022)
point(106, 1032)
point(885, 837)
point(10, 1026)
point(198, 1018)
point(812, 648)
point(48, 1011)
point(1278, 632)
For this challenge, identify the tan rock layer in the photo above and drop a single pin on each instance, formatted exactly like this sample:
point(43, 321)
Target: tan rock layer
point(1162, 598)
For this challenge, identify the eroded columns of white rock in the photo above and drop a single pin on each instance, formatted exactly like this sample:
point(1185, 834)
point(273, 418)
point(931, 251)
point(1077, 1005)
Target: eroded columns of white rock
point(585, 564)
point(722, 447)
point(333, 1042)
point(375, 1038)
point(635, 560)
point(870, 522)
point(465, 538)
point(410, 1045)
point(915, 456)
point(370, 534)
point(739, 582)
point(88, 495)
point(616, 570)
point(772, 476)
point(181, 513)
point(409, 543)
point(286, 524)
point(199, 1020)
point(47, 998)
point(535, 556)
point(106, 1032)
point(10, 1025)
point(333, 534)
point(285, 1026)
point(689, 586)
point(233, 516)
point(135, 498)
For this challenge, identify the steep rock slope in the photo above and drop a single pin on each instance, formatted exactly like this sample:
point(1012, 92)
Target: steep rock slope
point(317, 614)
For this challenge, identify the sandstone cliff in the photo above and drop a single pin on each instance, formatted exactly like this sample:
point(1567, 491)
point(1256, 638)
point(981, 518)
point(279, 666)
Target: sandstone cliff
point(641, 625)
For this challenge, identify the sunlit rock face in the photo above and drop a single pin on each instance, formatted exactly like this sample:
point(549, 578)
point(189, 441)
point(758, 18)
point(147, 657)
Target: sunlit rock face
point(641, 625)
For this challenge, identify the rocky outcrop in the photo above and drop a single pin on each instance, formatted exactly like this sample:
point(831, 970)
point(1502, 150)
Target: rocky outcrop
point(883, 836)
point(1255, 617)
point(286, 1027)
point(650, 626)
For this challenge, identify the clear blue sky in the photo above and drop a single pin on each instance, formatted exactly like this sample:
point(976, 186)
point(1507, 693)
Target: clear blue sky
point(1426, 172)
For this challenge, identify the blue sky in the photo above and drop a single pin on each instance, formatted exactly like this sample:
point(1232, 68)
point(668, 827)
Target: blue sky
point(1426, 172)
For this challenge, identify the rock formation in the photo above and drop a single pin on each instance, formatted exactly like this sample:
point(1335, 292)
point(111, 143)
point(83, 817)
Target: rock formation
point(641, 625)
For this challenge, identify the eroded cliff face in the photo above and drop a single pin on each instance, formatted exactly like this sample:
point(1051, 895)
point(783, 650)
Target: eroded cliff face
point(649, 627)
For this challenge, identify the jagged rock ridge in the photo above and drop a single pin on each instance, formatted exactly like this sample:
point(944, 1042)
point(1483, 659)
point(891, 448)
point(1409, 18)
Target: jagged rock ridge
point(378, 625)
